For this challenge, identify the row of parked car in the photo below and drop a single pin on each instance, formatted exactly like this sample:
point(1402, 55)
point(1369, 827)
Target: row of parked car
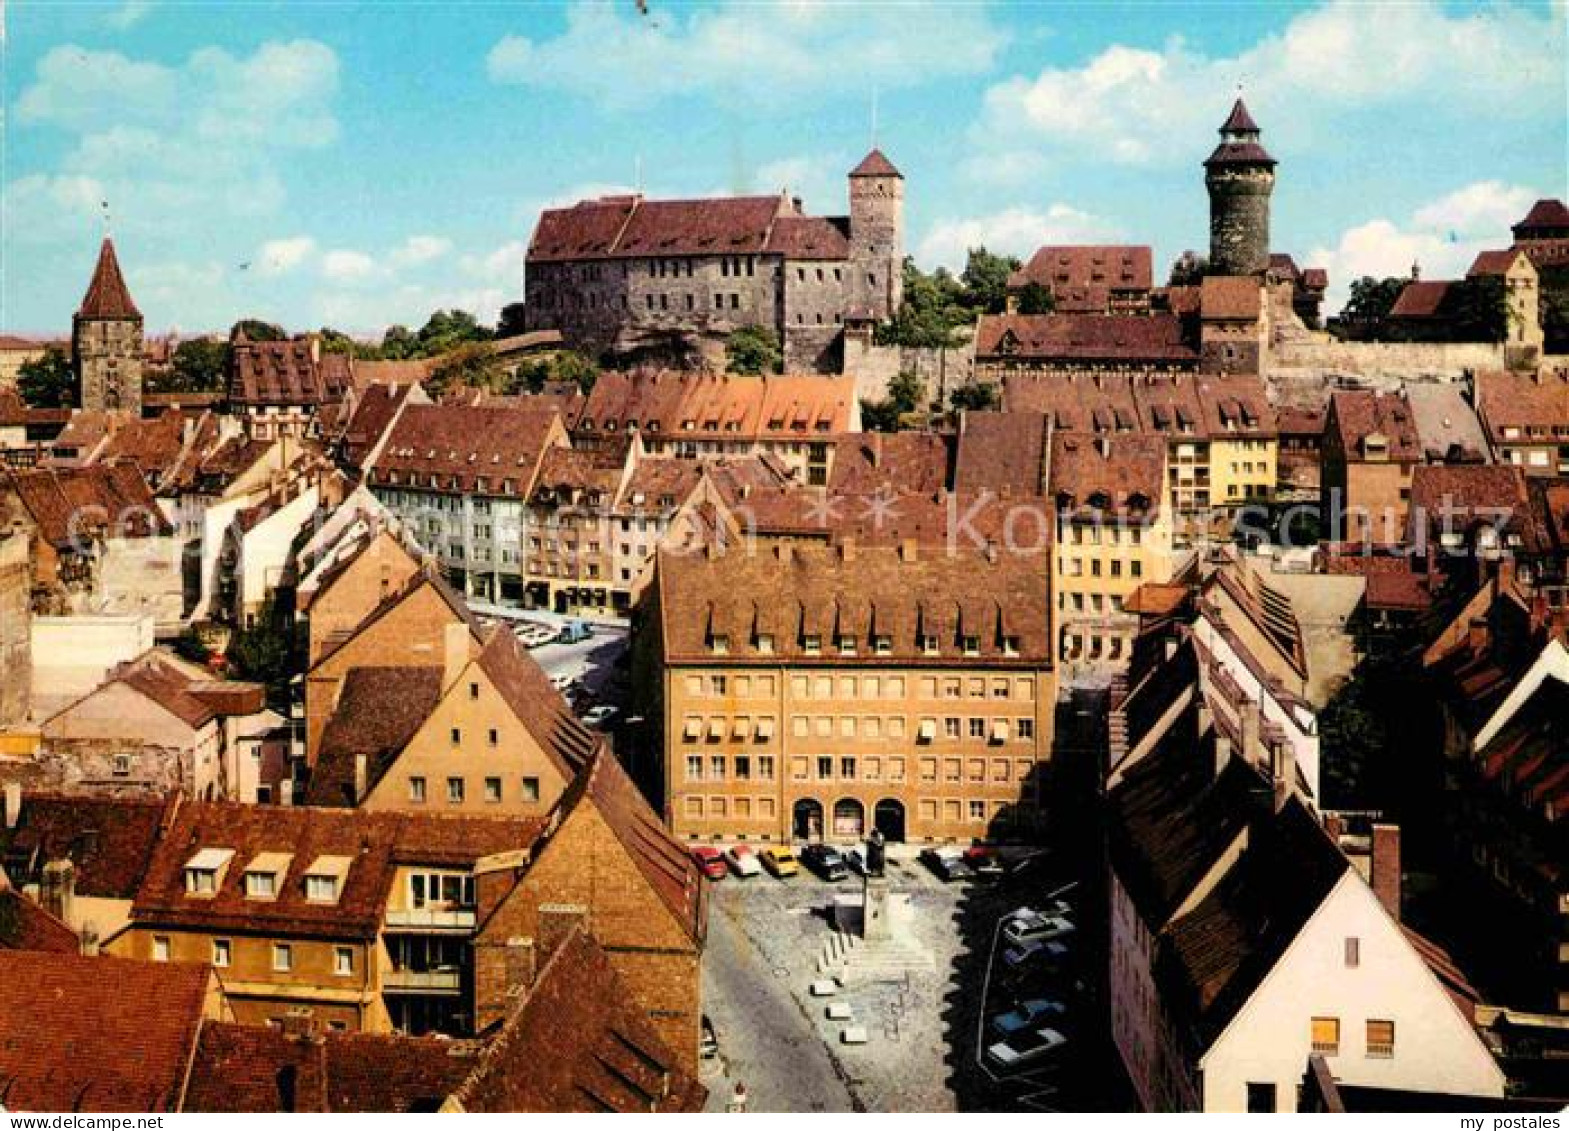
point(1037, 968)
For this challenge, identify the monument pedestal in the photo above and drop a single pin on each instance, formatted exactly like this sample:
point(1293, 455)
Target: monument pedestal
point(874, 908)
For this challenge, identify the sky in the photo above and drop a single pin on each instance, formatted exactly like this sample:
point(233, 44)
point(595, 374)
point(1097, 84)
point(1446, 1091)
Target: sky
point(358, 165)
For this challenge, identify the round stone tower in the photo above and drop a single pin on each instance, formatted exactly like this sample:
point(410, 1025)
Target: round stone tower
point(1240, 175)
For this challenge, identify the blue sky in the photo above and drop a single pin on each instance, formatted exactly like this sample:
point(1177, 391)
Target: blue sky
point(361, 164)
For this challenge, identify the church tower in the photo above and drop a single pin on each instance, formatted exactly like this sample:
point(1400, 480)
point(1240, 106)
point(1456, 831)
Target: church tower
point(1240, 176)
point(106, 340)
point(877, 236)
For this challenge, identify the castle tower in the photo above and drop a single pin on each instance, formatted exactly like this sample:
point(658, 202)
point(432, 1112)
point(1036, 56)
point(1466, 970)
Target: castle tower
point(877, 235)
point(1240, 175)
point(106, 340)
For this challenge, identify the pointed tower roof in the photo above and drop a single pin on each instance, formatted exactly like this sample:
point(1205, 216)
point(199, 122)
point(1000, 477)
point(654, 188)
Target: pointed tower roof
point(107, 296)
point(1240, 120)
point(875, 164)
point(1239, 141)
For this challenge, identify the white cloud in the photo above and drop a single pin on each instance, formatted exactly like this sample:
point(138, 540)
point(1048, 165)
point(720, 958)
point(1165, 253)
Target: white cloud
point(781, 50)
point(417, 250)
point(1013, 231)
point(1442, 237)
point(503, 265)
point(819, 180)
point(279, 257)
point(128, 14)
point(345, 266)
point(1139, 106)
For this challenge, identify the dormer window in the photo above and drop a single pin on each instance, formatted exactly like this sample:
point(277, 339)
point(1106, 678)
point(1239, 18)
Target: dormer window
point(882, 645)
point(846, 645)
point(264, 875)
point(812, 644)
point(928, 644)
point(971, 645)
point(765, 643)
point(204, 871)
point(261, 885)
point(325, 878)
point(1010, 645)
point(719, 645)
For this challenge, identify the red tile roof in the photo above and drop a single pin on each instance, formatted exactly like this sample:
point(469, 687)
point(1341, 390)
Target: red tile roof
point(110, 840)
point(620, 227)
point(1083, 337)
point(1239, 120)
point(702, 406)
point(875, 164)
point(1421, 298)
point(905, 462)
point(461, 450)
point(809, 237)
point(1545, 215)
point(293, 371)
point(578, 1042)
point(378, 407)
point(107, 296)
point(1084, 267)
point(1005, 453)
point(96, 1034)
point(1230, 298)
point(1109, 475)
point(379, 710)
point(1489, 263)
point(1356, 415)
point(26, 926)
point(1076, 402)
point(1535, 403)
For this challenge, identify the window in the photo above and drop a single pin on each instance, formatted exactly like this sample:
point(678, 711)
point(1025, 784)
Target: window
point(977, 810)
point(531, 789)
point(282, 957)
point(494, 736)
point(825, 767)
point(1326, 1035)
point(161, 948)
point(971, 645)
point(417, 790)
point(222, 952)
point(694, 767)
point(321, 889)
point(977, 728)
point(457, 736)
point(1380, 1039)
point(261, 885)
point(950, 727)
point(1261, 1097)
point(455, 791)
point(492, 789)
point(1024, 729)
point(1353, 952)
point(473, 691)
point(343, 961)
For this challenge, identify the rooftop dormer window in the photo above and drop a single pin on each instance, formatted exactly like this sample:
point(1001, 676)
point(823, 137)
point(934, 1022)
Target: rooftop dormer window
point(765, 643)
point(928, 644)
point(812, 644)
point(971, 645)
point(204, 871)
point(719, 645)
point(325, 878)
point(846, 645)
point(264, 875)
point(882, 644)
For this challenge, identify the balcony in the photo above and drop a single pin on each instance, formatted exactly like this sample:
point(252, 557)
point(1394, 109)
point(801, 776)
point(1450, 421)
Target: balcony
point(431, 919)
point(445, 980)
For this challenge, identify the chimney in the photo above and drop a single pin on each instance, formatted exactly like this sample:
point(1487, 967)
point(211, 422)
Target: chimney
point(1386, 867)
point(89, 939)
point(13, 804)
point(783, 552)
point(361, 776)
point(520, 964)
point(57, 894)
point(455, 651)
point(907, 550)
point(1282, 771)
point(299, 1024)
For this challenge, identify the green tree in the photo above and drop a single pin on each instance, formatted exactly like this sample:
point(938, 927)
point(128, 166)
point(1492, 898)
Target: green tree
point(47, 381)
point(472, 363)
point(257, 330)
point(1036, 299)
point(1371, 301)
point(512, 319)
point(753, 350)
point(904, 395)
point(985, 279)
point(978, 397)
point(1478, 309)
point(1188, 269)
point(199, 365)
point(563, 366)
point(263, 653)
point(193, 646)
point(445, 330)
point(933, 309)
point(399, 344)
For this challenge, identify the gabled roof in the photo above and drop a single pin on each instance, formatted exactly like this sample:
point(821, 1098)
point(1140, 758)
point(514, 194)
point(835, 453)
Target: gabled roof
point(107, 295)
point(1497, 262)
point(1548, 215)
point(1119, 475)
point(1103, 267)
point(1358, 415)
point(1109, 337)
point(378, 712)
point(1421, 298)
point(875, 164)
point(631, 226)
point(462, 449)
point(537, 705)
point(1006, 453)
point(579, 1042)
point(82, 1034)
point(66, 503)
point(110, 840)
point(26, 926)
point(1230, 298)
point(904, 462)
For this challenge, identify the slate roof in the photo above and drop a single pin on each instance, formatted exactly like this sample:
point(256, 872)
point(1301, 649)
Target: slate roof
point(1446, 424)
point(109, 839)
point(261, 1069)
point(821, 590)
point(1239, 120)
point(77, 1033)
point(579, 1042)
point(107, 297)
point(1084, 337)
point(379, 710)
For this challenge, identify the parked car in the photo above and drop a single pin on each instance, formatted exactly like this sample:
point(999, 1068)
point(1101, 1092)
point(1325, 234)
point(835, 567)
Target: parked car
point(574, 631)
point(1029, 1013)
point(1026, 1049)
point(600, 716)
point(855, 861)
point(1036, 928)
point(780, 862)
point(947, 864)
point(743, 861)
point(985, 861)
point(710, 861)
point(1017, 958)
point(825, 860)
point(1060, 908)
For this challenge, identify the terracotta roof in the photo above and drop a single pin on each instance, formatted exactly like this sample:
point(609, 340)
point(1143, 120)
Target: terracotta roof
point(1005, 453)
point(110, 840)
point(1535, 403)
point(1075, 402)
point(292, 371)
point(1527, 761)
point(1230, 298)
point(261, 1069)
point(1122, 475)
point(810, 237)
point(1421, 298)
point(905, 462)
point(379, 710)
point(579, 1042)
point(1315, 278)
point(875, 164)
point(77, 1034)
point(1489, 263)
point(26, 926)
point(378, 407)
point(1107, 337)
point(1084, 267)
point(631, 226)
point(154, 446)
point(1401, 590)
point(158, 677)
point(571, 470)
point(374, 843)
point(225, 463)
point(1292, 421)
point(87, 429)
point(1235, 405)
point(107, 296)
point(537, 705)
point(1357, 415)
point(461, 450)
point(1545, 215)
point(412, 371)
point(1283, 266)
point(828, 591)
point(696, 406)
point(10, 342)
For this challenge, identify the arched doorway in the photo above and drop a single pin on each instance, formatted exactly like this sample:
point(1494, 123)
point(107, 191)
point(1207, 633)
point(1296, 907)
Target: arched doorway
point(888, 818)
point(849, 819)
point(808, 819)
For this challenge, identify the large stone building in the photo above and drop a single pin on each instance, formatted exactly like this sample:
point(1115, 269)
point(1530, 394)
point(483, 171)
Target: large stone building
point(672, 278)
point(1240, 176)
point(106, 340)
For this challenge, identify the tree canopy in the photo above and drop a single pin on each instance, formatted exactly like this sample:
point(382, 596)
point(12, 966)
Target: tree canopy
point(753, 350)
point(904, 395)
point(1372, 299)
point(257, 330)
point(1036, 299)
point(985, 280)
point(47, 381)
point(199, 365)
point(978, 397)
point(511, 321)
point(1188, 269)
